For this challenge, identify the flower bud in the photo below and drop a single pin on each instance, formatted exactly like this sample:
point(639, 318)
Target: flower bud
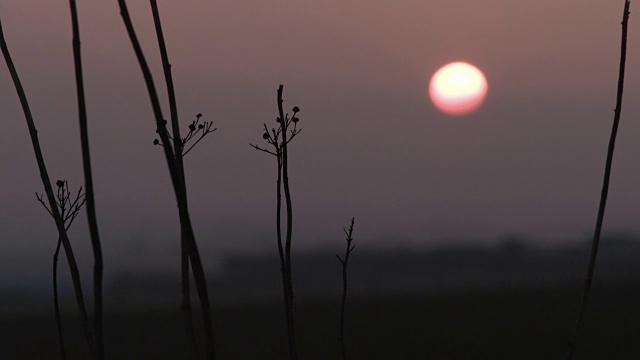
point(156, 142)
point(265, 136)
point(296, 109)
point(192, 127)
point(60, 183)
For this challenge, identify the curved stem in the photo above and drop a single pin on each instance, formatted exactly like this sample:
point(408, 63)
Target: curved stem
point(605, 187)
point(88, 185)
point(44, 176)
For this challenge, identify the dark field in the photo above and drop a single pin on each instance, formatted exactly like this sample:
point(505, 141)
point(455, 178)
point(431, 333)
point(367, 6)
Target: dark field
point(515, 324)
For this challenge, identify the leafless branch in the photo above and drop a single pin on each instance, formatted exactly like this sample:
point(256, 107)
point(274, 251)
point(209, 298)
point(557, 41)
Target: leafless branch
point(605, 186)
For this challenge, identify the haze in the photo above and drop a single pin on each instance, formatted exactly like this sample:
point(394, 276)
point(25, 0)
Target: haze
point(529, 162)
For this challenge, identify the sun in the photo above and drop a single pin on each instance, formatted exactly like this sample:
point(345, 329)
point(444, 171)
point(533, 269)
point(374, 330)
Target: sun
point(458, 89)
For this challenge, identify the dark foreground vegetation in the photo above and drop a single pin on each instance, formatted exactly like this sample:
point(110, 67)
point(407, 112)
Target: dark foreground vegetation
point(487, 324)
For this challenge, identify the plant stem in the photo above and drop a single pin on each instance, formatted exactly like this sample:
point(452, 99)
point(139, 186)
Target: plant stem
point(181, 198)
point(177, 147)
point(293, 352)
point(56, 303)
point(44, 176)
point(605, 186)
point(344, 263)
point(88, 185)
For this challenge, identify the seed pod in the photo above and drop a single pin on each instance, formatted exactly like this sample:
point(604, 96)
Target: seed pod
point(60, 183)
point(156, 142)
point(265, 136)
point(192, 127)
point(296, 109)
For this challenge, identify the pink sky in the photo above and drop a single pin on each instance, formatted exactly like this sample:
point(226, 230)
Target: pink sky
point(529, 162)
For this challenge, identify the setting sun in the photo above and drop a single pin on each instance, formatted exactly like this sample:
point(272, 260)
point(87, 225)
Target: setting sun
point(458, 89)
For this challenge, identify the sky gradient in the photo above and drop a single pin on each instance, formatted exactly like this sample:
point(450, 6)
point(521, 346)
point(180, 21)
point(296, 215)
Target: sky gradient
point(529, 162)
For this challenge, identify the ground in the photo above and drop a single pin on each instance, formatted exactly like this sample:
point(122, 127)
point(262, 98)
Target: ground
point(489, 324)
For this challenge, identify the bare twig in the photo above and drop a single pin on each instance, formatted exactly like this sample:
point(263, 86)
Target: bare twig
point(345, 261)
point(44, 175)
point(56, 303)
point(279, 144)
point(173, 155)
point(177, 147)
point(605, 186)
point(68, 210)
point(88, 183)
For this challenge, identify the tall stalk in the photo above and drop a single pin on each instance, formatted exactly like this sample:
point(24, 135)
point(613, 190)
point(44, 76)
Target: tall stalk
point(88, 185)
point(177, 145)
point(287, 250)
point(172, 153)
point(44, 176)
point(279, 138)
point(605, 186)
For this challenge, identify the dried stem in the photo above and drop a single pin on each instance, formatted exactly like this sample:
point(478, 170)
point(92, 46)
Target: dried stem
point(44, 175)
point(605, 186)
point(88, 183)
point(279, 138)
point(172, 155)
point(56, 303)
point(68, 210)
point(177, 145)
point(345, 261)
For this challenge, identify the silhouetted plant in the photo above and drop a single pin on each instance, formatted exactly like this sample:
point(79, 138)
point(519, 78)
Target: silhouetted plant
point(196, 130)
point(51, 198)
point(88, 183)
point(345, 262)
point(605, 186)
point(69, 209)
point(279, 138)
point(174, 156)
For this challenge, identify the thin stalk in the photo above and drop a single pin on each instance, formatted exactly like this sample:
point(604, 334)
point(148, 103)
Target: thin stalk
point(185, 220)
point(88, 185)
point(605, 186)
point(345, 262)
point(283, 263)
point(56, 303)
point(278, 138)
point(177, 147)
point(44, 176)
point(293, 352)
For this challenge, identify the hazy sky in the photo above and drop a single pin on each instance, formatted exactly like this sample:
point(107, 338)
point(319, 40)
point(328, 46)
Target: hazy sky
point(529, 162)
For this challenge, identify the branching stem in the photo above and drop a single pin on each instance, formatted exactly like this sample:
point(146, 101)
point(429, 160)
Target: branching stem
point(345, 262)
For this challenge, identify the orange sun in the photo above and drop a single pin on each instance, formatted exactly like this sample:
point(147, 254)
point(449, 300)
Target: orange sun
point(458, 89)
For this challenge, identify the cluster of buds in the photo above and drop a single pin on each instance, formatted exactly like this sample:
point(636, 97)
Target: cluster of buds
point(196, 129)
point(68, 208)
point(273, 137)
